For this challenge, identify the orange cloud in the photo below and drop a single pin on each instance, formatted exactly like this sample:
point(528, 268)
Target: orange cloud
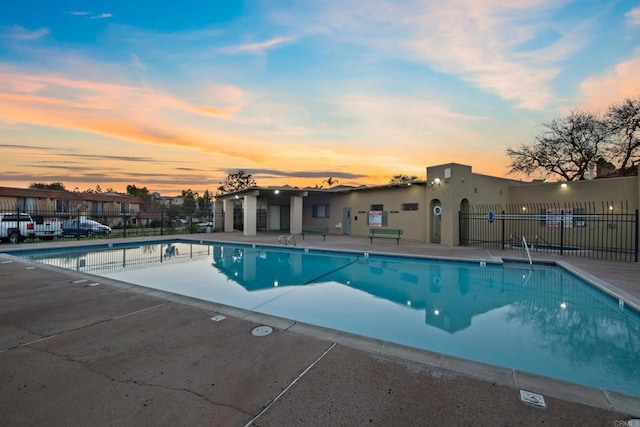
point(623, 81)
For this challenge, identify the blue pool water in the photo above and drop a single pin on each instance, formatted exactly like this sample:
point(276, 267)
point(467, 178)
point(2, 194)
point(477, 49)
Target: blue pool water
point(540, 318)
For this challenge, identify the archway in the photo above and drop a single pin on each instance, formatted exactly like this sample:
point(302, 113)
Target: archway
point(464, 222)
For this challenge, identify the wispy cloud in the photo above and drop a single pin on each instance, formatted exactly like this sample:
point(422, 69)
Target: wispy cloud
point(89, 15)
point(501, 48)
point(634, 16)
point(77, 13)
point(101, 16)
point(258, 47)
point(17, 32)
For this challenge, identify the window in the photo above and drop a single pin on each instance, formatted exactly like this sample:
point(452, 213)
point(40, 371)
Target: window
point(63, 206)
point(97, 208)
point(125, 208)
point(377, 208)
point(321, 211)
point(409, 206)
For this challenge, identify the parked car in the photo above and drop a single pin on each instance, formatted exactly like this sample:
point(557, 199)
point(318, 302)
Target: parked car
point(16, 227)
point(87, 227)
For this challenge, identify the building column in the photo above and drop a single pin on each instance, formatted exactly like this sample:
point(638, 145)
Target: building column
point(215, 213)
point(227, 206)
point(295, 225)
point(250, 212)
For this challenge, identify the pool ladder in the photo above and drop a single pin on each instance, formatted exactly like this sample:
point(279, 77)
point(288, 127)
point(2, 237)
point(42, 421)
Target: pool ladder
point(287, 240)
point(524, 243)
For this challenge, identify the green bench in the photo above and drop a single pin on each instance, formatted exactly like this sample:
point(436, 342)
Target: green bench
point(315, 230)
point(385, 233)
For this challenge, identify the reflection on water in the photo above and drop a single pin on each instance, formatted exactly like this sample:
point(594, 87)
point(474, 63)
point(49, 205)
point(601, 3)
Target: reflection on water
point(538, 319)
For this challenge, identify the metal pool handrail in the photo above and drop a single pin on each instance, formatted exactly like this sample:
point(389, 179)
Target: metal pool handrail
point(524, 242)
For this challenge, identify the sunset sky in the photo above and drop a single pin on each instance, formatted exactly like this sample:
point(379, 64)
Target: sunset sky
point(175, 95)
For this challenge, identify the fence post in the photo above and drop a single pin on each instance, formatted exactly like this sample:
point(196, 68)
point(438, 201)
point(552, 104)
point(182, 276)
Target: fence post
point(637, 237)
point(561, 231)
point(502, 221)
point(162, 221)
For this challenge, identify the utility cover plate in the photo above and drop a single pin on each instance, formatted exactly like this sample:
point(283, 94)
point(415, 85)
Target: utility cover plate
point(532, 398)
point(261, 331)
point(218, 318)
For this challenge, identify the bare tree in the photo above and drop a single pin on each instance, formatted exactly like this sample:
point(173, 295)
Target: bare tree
point(568, 147)
point(623, 123)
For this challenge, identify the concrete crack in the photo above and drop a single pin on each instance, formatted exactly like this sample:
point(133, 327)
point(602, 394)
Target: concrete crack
point(140, 383)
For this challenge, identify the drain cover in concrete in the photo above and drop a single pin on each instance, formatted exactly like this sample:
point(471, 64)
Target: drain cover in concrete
point(261, 331)
point(532, 398)
point(218, 318)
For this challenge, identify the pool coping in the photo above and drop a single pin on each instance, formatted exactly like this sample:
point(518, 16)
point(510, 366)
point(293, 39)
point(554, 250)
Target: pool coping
point(568, 391)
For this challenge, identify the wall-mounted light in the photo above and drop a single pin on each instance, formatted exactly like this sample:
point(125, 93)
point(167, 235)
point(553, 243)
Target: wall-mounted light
point(610, 208)
point(524, 208)
point(563, 185)
point(277, 191)
point(563, 305)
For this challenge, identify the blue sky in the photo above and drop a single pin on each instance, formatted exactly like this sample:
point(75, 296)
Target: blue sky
point(174, 96)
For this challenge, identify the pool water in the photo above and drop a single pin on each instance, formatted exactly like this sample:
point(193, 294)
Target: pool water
point(540, 319)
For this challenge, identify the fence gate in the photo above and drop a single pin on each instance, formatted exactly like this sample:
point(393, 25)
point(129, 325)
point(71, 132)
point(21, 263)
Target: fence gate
point(604, 230)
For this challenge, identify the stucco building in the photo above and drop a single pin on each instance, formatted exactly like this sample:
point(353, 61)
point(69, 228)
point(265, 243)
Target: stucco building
point(426, 211)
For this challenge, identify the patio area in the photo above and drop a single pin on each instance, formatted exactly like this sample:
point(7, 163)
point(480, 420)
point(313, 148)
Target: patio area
point(76, 349)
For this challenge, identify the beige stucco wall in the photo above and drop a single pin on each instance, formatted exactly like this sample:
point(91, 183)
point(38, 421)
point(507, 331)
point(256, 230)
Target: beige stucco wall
point(479, 189)
point(411, 222)
point(463, 185)
point(603, 191)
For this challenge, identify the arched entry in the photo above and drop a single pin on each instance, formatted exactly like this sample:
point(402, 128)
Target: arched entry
point(464, 222)
point(436, 223)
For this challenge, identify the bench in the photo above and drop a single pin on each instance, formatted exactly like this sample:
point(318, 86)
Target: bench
point(385, 233)
point(315, 230)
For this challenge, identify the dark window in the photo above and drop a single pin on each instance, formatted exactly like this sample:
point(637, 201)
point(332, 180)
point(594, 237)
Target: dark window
point(377, 207)
point(62, 206)
point(321, 211)
point(409, 206)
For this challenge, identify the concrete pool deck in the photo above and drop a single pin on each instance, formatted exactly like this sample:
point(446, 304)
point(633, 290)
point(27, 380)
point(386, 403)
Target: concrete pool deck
point(102, 352)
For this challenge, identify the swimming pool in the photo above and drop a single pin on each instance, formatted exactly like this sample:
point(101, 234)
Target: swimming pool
point(540, 319)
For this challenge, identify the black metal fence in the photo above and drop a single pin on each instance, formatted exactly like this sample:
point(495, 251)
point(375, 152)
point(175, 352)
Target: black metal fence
point(51, 223)
point(597, 230)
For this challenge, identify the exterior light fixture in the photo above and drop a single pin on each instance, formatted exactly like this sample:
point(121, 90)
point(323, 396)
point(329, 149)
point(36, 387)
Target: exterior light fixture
point(524, 208)
point(436, 312)
point(237, 197)
point(277, 191)
point(437, 181)
point(611, 208)
point(563, 185)
point(563, 305)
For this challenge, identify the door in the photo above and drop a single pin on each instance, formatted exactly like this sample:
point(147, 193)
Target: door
point(346, 220)
point(274, 218)
point(285, 217)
